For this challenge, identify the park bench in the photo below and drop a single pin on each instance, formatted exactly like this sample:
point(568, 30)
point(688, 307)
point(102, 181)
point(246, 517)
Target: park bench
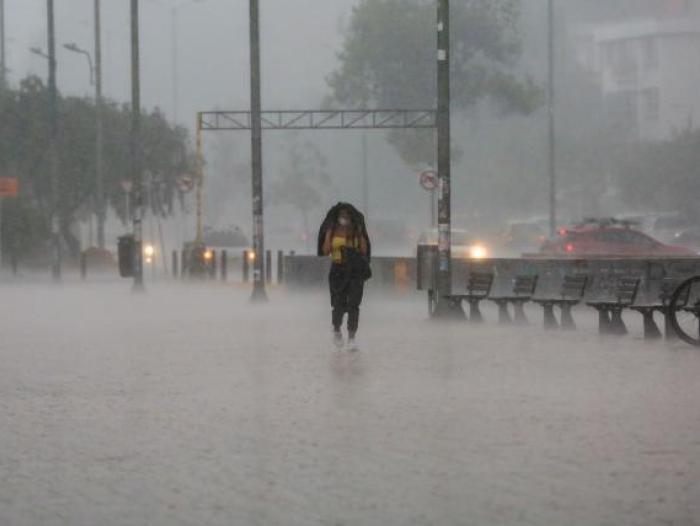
point(573, 287)
point(610, 311)
point(523, 290)
point(668, 287)
point(478, 288)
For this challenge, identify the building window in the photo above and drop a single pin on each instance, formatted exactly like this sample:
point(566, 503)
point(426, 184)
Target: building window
point(650, 53)
point(651, 104)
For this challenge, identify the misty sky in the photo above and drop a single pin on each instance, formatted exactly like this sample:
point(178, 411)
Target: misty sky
point(300, 39)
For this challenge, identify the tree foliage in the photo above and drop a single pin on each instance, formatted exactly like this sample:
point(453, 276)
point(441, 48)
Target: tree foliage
point(24, 139)
point(388, 60)
point(664, 176)
point(304, 183)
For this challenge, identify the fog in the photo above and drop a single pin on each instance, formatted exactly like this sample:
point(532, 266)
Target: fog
point(208, 69)
point(189, 404)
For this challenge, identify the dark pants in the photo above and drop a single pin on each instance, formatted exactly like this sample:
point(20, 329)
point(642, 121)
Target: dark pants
point(346, 296)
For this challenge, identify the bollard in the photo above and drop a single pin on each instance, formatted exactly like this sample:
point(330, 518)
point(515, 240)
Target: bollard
point(224, 266)
point(183, 265)
point(175, 264)
point(83, 265)
point(268, 266)
point(280, 267)
point(246, 268)
point(14, 264)
point(212, 265)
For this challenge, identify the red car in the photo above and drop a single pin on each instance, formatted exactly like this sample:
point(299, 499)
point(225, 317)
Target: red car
point(609, 240)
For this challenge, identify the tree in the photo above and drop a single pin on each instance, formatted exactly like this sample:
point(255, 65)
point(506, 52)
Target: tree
point(388, 60)
point(24, 135)
point(303, 183)
point(664, 176)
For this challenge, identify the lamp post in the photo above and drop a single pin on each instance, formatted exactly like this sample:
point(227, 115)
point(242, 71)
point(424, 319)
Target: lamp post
point(444, 308)
point(259, 293)
point(76, 49)
point(135, 148)
point(550, 111)
point(96, 80)
point(53, 134)
point(3, 66)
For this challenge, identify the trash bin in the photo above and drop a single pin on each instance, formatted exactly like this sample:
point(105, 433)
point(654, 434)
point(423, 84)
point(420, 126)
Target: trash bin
point(127, 255)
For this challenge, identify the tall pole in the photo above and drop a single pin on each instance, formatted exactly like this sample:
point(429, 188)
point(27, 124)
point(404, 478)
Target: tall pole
point(136, 166)
point(174, 80)
point(365, 177)
point(444, 308)
point(259, 293)
point(552, 136)
point(53, 147)
point(199, 181)
point(99, 138)
point(3, 70)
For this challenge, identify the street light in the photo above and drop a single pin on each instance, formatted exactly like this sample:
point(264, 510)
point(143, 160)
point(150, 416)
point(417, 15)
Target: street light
point(75, 49)
point(96, 72)
point(3, 67)
point(135, 146)
point(40, 52)
point(53, 136)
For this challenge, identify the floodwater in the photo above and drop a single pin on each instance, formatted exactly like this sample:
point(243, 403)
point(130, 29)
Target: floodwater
point(188, 406)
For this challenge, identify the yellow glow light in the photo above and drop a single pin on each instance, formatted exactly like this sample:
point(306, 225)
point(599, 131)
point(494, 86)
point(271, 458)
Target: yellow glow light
point(478, 252)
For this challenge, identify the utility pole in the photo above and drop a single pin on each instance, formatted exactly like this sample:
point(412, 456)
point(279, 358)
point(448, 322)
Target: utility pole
point(53, 147)
point(365, 177)
point(259, 293)
point(136, 154)
point(175, 75)
point(444, 308)
point(3, 66)
point(99, 138)
point(552, 137)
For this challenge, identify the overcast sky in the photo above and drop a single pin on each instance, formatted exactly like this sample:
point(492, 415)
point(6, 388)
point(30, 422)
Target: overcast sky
point(300, 40)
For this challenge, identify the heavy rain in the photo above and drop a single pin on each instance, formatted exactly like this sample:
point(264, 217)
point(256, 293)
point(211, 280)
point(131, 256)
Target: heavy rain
point(349, 262)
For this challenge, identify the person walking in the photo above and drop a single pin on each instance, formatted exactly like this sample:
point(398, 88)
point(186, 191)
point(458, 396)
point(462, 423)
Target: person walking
point(343, 237)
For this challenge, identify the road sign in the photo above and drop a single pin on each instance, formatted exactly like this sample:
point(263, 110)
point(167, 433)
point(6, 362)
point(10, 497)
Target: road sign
point(429, 180)
point(9, 187)
point(127, 185)
point(185, 183)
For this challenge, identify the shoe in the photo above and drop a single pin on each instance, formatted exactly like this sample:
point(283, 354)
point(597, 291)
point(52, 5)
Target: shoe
point(352, 345)
point(338, 339)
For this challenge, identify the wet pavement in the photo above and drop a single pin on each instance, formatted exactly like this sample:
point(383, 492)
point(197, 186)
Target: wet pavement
point(188, 406)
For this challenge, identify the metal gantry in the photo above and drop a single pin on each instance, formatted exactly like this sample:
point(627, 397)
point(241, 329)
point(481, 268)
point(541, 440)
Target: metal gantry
point(379, 119)
point(281, 120)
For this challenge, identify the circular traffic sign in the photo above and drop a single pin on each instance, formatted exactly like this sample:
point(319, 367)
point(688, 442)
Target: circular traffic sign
point(185, 183)
point(127, 185)
point(429, 179)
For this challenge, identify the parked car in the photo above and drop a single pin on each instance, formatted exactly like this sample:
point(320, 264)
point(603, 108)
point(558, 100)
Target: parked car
point(464, 244)
point(609, 238)
point(689, 238)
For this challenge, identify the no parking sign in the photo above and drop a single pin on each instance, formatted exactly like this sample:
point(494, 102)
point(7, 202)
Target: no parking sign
point(429, 180)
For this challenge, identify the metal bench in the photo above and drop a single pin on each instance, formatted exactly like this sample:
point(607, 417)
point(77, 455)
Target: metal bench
point(610, 311)
point(573, 288)
point(523, 290)
point(478, 288)
point(651, 330)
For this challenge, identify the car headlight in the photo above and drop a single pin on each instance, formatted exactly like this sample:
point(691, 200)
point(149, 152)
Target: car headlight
point(478, 252)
